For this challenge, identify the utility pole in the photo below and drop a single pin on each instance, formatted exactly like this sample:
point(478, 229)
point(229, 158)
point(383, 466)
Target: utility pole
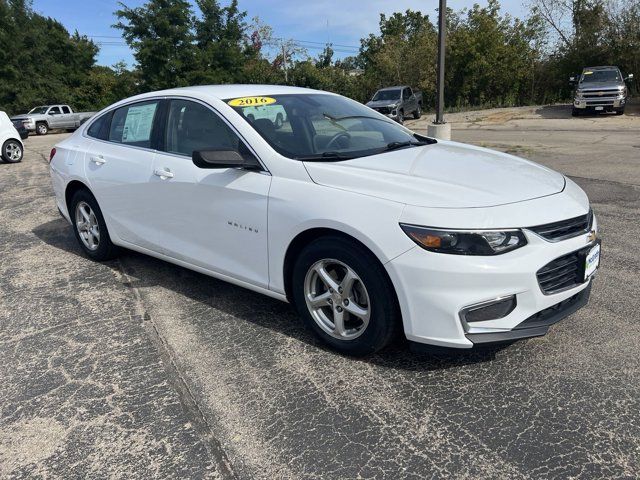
point(440, 129)
point(442, 27)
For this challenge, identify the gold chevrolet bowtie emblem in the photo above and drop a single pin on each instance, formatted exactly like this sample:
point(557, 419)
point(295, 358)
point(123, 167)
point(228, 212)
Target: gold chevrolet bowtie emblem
point(592, 236)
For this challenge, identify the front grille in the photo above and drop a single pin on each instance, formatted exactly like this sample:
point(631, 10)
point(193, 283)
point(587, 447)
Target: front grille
point(383, 110)
point(601, 93)
point(564, 229)
point(562, 273)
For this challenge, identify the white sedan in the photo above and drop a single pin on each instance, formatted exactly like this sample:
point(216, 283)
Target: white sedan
point(367, 228)
point(11, 148)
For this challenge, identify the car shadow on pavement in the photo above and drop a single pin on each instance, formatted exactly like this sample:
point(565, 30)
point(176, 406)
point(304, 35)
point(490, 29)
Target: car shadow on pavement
point(144, 271)
point(554, 111)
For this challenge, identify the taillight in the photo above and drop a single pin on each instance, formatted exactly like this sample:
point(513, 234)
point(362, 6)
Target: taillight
point(53, 152)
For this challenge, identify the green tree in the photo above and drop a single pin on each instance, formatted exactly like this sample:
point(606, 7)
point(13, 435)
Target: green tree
point(161, 37)
point(40, 62)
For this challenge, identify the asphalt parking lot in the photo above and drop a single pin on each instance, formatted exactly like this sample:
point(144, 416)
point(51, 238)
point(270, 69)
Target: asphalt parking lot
point(137, 368)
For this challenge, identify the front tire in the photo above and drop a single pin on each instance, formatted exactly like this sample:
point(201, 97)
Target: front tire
point(12, 151)
point(620, 111)
point(418, 112)
point(90, 228)
point(42, 128)
point(345, 297)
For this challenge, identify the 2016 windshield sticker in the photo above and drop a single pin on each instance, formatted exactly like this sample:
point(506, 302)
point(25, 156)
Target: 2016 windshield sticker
point(251, 101)
point(588, 73)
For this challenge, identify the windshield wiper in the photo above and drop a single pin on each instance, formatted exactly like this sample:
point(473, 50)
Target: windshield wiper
point(410, 143)
point(348, 117)
point(326, 157)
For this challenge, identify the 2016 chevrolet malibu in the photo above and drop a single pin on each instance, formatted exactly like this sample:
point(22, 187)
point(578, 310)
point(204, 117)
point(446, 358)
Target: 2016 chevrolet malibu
point(367, 228)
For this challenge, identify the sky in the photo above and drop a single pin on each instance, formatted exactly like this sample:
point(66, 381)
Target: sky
point(341, 22)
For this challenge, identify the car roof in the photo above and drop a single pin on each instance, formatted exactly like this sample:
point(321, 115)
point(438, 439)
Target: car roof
point(223, 92)
point(394, 88)
point(610, 67)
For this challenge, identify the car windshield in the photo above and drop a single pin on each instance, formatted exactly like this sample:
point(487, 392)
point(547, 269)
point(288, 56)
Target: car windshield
point(39, 110)
point(592, 76)
point(387, 95)
point(321, 126)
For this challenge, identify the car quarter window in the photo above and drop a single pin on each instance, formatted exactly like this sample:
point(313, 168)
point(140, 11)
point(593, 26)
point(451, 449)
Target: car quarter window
point(133, 124)
point(100, 127)
point(192, 126)
point(54, 110)
point(65, 109)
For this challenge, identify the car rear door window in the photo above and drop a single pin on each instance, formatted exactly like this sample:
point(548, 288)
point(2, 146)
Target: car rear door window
point(192, 126)
point(132, 124)
point(66, 110)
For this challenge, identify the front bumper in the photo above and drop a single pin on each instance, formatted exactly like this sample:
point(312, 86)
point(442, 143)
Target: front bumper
point(433, 289)
point(606, 103)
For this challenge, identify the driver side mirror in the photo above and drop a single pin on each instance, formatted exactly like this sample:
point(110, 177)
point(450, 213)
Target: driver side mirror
point(629, 77)
point(223, 158)
point(572, 80)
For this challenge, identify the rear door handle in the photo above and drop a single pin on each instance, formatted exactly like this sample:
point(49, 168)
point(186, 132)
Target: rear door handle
point(163, 173)
point(99, 160)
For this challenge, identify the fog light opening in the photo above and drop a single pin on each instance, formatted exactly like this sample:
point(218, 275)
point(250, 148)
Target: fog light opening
point(490, 310)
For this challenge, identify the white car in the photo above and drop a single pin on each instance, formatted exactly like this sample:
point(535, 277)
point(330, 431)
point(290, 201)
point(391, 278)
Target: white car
point(367, 228)
point(10, 142)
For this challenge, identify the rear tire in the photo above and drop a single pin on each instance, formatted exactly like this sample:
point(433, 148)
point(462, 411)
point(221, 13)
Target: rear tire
point(42, 128)
point(12, 151)
point(90, 228)
point(360, 314)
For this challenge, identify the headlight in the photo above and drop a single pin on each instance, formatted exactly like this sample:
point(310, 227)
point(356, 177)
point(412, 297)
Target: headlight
point(465, 242)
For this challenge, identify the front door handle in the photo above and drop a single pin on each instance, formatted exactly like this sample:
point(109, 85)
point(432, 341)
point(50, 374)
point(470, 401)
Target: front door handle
point(99, 160)
point(163, 173)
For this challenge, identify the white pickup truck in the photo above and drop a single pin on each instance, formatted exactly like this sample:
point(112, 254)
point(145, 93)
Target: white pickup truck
point(44, 118)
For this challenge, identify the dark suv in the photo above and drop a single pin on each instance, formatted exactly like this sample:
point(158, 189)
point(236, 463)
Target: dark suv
point(600, 89)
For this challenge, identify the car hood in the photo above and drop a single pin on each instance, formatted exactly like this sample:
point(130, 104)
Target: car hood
point(382, 103)
point(23, 116)
point(441, 175)
point(599, 85)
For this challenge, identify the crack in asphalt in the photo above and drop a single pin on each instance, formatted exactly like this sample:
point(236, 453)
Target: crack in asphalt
point(187, 398)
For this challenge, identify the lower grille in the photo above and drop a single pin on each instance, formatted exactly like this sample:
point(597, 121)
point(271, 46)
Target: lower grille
point(563, 273)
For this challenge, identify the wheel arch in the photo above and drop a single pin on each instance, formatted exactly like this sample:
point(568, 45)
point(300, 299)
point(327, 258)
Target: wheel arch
point(306, 237)
point(70, 190)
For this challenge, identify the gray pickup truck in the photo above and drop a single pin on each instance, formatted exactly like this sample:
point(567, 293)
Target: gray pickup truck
point(600, 89)
point(397, 102)
point(47, 117)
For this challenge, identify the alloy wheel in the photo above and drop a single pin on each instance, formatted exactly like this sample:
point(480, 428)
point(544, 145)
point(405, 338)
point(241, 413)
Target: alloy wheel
point(13, 151)
point(337, 299)
point(87, 226)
